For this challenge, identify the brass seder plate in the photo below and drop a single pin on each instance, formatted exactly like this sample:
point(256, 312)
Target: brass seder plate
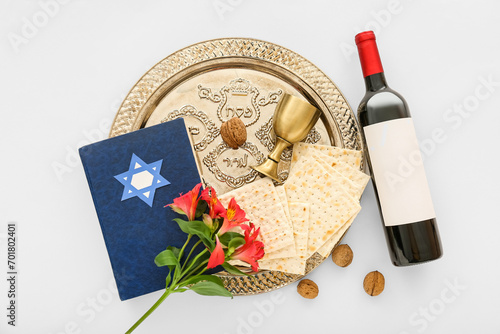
point(210, 82)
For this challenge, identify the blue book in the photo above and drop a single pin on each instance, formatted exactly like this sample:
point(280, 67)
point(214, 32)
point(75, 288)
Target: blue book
point(131, 178)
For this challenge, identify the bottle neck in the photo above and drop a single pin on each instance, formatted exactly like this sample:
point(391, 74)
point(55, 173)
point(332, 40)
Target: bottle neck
point(370, 61)
point(375, 82)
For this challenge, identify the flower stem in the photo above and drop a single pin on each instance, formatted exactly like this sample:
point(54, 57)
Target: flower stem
point(175, 284)
point(162, 298)
point(189, 255)
point(193, 262)
point(197, 268)
point(177, 273)
point(204, 269)
point(184, 246)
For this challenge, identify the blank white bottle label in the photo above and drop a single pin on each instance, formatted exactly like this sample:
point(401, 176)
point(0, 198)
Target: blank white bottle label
point(398, 171)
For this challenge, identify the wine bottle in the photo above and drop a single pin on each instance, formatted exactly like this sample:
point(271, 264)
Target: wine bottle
point(395, 163)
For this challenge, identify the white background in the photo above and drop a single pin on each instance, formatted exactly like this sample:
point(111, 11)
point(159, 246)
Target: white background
point(63, 83)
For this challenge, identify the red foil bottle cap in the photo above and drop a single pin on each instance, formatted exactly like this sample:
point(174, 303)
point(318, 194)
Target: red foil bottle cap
point(368, 53)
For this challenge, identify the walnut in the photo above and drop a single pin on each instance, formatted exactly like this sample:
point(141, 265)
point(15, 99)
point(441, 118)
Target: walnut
point(342, 255)
point(307, 289)
point(374, 283)
point(234, 132)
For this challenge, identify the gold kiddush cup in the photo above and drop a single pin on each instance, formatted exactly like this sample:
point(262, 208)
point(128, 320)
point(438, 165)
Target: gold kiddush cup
point(292, 121)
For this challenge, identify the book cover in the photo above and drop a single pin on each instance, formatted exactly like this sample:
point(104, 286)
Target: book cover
point(131, 178)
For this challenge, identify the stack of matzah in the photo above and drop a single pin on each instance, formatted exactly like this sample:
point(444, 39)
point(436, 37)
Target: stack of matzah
point(313, 209)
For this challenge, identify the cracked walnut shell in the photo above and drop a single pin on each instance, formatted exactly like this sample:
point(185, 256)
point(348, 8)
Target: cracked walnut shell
point(234, 132)
point(374, 283)
point(307, 289)
point(342, 255)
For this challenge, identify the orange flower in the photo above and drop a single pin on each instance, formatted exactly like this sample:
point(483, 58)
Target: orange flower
point(233, 216)
point(252, 250)
point(186, 204)
point(210, 196)
point(217, 257)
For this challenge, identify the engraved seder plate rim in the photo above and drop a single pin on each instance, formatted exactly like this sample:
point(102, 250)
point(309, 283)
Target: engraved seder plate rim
point(259, 55)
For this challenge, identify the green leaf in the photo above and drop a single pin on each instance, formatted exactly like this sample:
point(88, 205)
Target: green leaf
point(175, 250)
point(233, 270)
point(203, 232)
point(183, 224)
point(167, 258)
point(228, 236)
point(236, 242)
point(199, 229)
point(199, 278)
point(201, 208)
point(209, 288)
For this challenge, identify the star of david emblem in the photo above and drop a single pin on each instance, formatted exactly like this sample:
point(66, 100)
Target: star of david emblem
point(142, 180)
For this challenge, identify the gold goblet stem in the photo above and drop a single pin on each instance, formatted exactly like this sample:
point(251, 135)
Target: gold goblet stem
point(270, 166)
point(281, 144)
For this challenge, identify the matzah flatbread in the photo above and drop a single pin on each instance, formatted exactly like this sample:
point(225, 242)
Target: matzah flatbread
point(262, 206)
point(342, 155)
point(328, 246)
point(342, 165)
point(284, 202)
point(352, 173)
point(353, 189)
point(300, 220)
point(292, 265)
point(325, 184)
point(289, 250)
point(331, 205)
point(300, 225)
